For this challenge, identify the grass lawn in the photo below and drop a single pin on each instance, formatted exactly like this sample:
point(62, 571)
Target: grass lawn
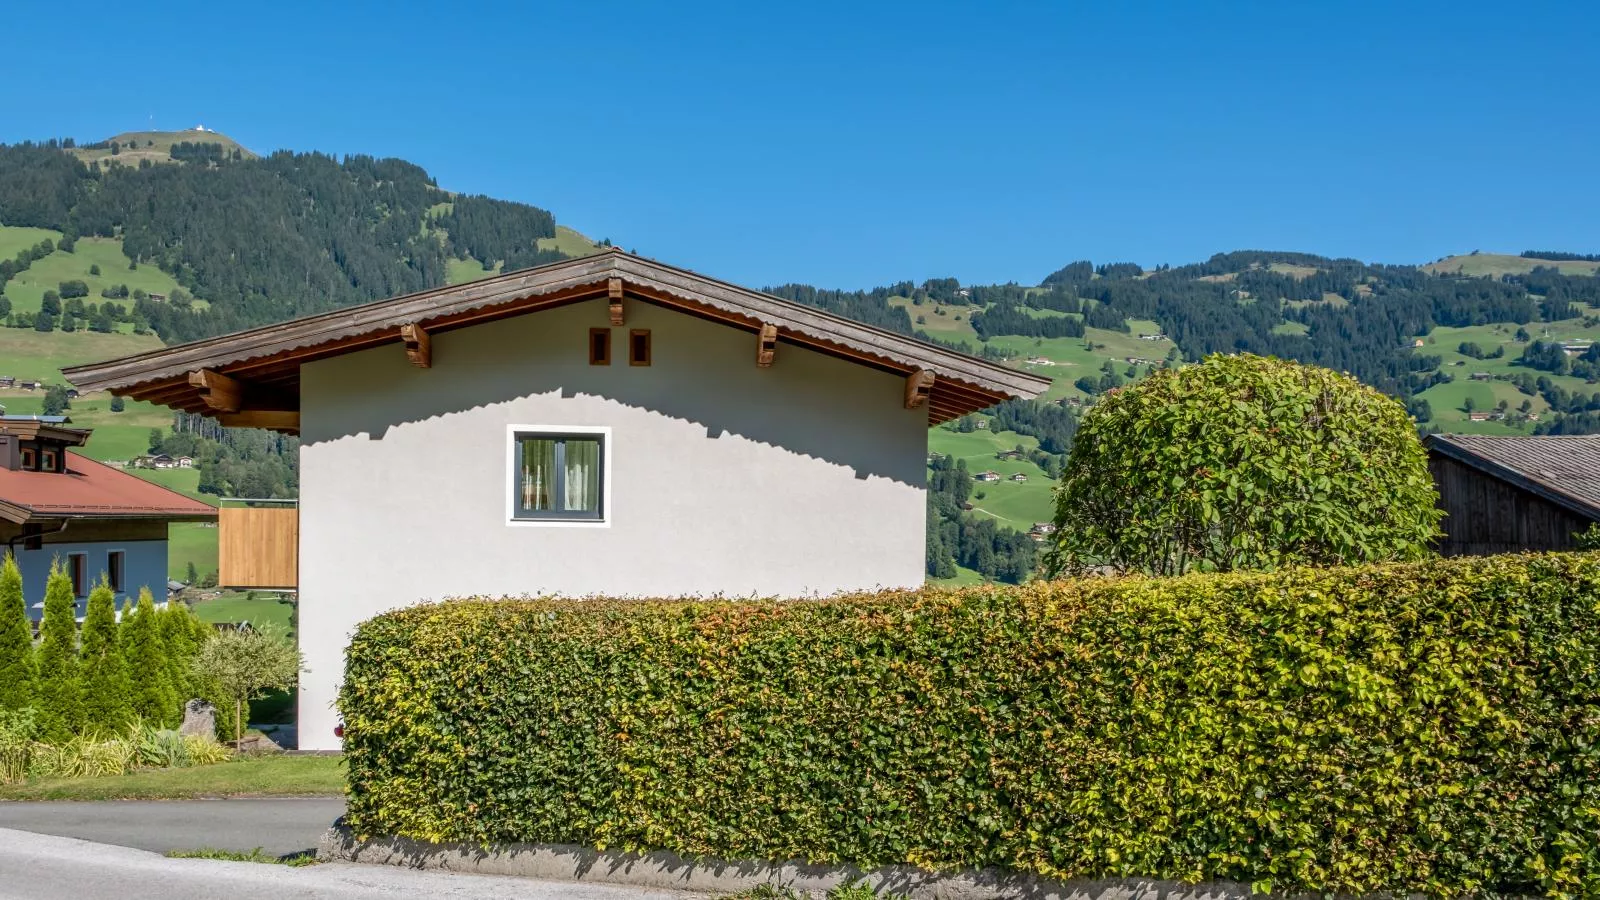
point(1503, 264)
point(461, 271)
point(29, 354)
point(569, 242)
point(16, 238)
point(27, 288)
point(963, 578)
point(1014, 505)
point(262, 776)
point(188, 542)
point(255, 607)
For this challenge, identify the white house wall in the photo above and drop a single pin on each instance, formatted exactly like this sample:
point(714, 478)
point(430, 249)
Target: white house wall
point(803, 479)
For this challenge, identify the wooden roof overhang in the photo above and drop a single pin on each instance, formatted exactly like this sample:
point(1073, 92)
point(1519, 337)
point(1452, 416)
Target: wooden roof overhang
point(252, 378)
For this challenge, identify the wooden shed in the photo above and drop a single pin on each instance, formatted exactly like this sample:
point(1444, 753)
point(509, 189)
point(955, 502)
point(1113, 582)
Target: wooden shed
point(1507, 494)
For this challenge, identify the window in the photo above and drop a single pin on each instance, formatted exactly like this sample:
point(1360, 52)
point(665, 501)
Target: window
point(78, 569)
point(559, 475)
point(47, 461)
point(114, 570)
point(639, 347)
point(599, 346)
point(29, 458)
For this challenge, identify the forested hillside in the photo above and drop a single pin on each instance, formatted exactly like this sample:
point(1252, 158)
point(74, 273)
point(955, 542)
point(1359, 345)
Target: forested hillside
point(270, 238)
point(188, 235)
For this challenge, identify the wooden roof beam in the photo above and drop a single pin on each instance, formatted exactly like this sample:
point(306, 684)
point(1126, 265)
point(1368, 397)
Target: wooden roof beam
point(919, 385)
point(767, 345)
point(419, 346)
point(614, 299)
point(273, 420)
point(229, 395)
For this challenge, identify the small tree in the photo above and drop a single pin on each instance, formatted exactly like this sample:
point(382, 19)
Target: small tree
point(1243, 462)
point(118, 404)
point(60, 713)
point(56, 400)
point(106, 707)
point(246, 665)
point(153, 699)
point(16, 640)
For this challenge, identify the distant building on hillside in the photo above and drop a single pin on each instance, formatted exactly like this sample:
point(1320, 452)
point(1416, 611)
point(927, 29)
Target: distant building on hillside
point(1019, 477)
point(1507, 494)
point(990, 475)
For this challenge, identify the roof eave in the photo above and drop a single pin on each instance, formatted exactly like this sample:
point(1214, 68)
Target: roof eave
point(1464, 455)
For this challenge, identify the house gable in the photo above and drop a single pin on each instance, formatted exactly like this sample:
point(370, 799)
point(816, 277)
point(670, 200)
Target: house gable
point(252, 378)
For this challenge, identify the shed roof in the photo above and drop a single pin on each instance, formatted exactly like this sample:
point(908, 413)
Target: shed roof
point(91, 490)
point(1564, 469)
point(267, 359)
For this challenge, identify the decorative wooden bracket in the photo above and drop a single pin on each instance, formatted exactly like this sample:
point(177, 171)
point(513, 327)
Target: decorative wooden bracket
point(614, 293)
point(919, 385)
point(419, 346)
point(767, 345)
point(220, 392)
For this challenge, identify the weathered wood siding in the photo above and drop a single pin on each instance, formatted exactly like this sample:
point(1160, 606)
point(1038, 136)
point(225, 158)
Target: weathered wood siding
point(258, 548)
point(1484, 515)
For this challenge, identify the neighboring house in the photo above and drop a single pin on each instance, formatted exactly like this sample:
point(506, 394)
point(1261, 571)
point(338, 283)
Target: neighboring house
point(1513, 493)
point(604, 425)
point(8, 381)
point(30, 385)
point(987, 476)
point(1019, 477)
point(97, 520)
point(1008, 454)
point(184, 462)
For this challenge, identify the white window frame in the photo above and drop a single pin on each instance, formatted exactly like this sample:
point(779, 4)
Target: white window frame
point(508, 483)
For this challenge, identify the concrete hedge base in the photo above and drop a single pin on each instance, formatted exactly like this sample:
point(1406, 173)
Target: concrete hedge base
point(662, 870)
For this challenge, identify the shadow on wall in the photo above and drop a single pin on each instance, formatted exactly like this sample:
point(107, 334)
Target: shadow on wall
point(807, 403)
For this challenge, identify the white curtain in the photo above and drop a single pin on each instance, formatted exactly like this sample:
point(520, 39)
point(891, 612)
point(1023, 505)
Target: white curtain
point(538, 474)
point(583, 476)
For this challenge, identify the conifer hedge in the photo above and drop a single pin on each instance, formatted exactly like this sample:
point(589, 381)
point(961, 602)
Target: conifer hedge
point(1428, 727)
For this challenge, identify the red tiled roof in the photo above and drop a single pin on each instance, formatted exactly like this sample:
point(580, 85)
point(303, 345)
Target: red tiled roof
point(90, 489)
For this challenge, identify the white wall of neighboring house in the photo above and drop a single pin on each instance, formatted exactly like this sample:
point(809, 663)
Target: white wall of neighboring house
point(799, 480)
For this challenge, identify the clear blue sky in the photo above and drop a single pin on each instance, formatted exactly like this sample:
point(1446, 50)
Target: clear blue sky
point(851, 144)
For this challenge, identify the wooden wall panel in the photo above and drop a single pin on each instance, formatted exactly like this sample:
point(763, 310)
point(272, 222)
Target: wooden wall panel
point(1485, 516)
point(258, 547)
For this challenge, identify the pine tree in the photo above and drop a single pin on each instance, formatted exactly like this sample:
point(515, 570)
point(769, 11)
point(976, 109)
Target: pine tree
point(16, 640)
point(59, 694)
point(153, 698)
point(179, 643)
point(106, 709)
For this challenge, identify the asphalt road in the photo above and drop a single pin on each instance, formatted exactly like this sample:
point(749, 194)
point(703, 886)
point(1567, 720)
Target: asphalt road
point(43, 867)
point(279, 826)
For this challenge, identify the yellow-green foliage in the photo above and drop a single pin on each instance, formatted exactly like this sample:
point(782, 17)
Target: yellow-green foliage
point(1427, 726)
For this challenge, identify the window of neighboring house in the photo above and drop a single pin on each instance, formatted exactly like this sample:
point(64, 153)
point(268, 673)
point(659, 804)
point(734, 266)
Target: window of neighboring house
point(47, 461)
point(559, 475)
point(639, 347)
point(599, 346)
point(78, 568)
point(30, 459)
point(114, 570)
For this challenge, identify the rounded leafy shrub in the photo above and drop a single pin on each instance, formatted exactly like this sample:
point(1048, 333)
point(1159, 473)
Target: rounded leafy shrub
point(1243, 462)
point(1426, 727)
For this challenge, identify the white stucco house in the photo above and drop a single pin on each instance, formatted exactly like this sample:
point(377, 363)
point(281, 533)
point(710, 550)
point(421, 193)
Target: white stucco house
point(604, 425)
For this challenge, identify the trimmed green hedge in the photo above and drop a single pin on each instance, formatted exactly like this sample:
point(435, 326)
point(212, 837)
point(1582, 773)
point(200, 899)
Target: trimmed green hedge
point(1431, 727)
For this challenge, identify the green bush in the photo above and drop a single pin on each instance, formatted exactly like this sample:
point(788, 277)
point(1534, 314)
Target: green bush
point(1428, 727)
